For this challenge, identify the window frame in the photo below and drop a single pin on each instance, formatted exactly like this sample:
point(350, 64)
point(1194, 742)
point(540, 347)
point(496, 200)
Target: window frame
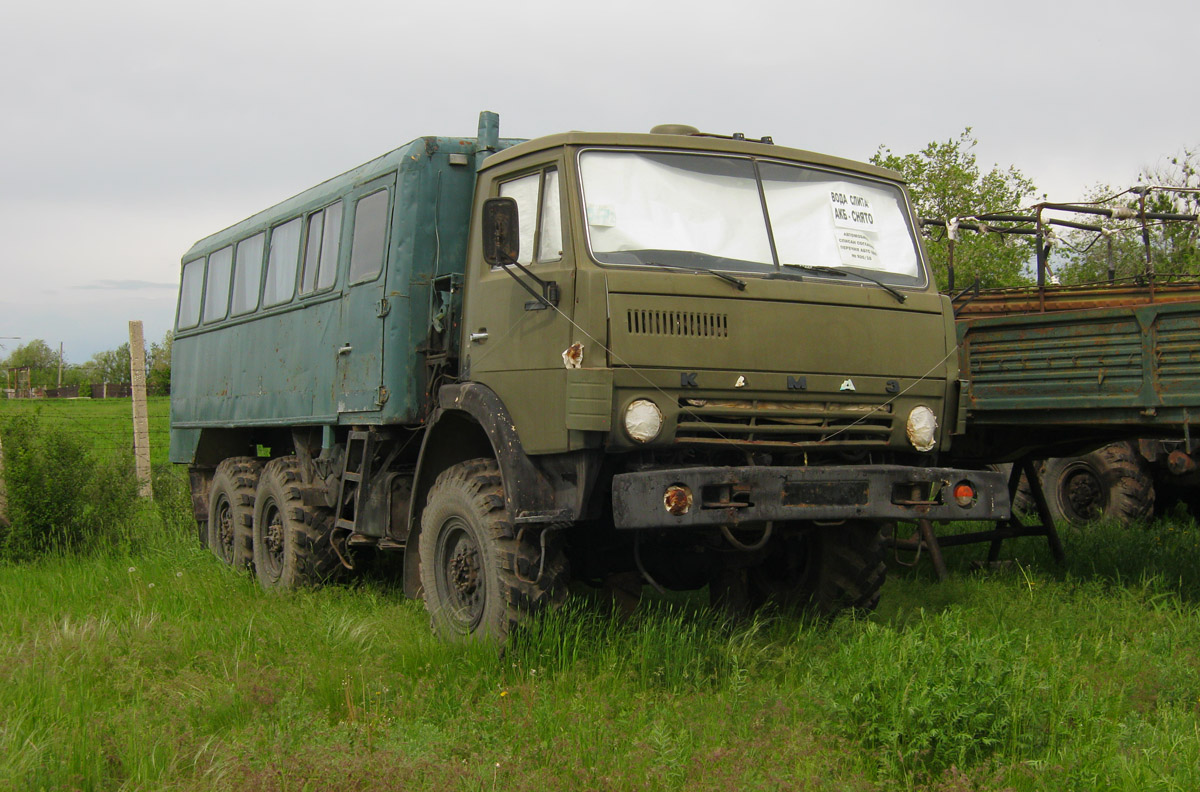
point(233, 314)
point(262, 300)
point(541, 172)
point(204, 320)
point(203, 262)
point(369, 190)
point(919, 283)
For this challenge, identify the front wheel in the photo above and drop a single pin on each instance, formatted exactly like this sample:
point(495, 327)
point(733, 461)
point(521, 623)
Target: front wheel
point(480, 577)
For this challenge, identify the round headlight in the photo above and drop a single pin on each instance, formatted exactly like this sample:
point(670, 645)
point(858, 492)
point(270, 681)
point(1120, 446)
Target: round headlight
point(922, 428)
point(643, 420)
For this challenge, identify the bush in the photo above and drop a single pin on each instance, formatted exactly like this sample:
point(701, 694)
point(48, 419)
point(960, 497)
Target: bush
point(61, 495)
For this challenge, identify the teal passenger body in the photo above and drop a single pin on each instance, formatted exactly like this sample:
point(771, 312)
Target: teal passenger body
point(348, 353)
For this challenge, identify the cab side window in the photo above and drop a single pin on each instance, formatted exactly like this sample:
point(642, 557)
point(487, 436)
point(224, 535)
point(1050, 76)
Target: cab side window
point(539, 213)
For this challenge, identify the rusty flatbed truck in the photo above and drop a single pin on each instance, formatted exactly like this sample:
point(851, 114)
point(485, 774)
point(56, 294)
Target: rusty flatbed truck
point(1099, 380)
point(696, 359)
point(1102, 380)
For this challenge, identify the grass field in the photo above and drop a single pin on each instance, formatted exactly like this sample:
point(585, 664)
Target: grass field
point(160, 669)
point(154, 667)
point(106, 423)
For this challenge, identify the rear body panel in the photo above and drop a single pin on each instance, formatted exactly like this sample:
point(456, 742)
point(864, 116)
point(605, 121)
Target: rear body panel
point(1125, 367)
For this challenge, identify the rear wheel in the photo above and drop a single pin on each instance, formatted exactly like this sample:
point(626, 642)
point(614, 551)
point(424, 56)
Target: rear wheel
point(1110, 483)
point(480, 576)
point(231, 510)
point(292, 547)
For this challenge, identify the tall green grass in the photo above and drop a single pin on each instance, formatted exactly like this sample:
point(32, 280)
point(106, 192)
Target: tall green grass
point(157, 668)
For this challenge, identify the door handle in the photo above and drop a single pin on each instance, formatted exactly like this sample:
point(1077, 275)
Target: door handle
point(481, 336)
point(346, 350)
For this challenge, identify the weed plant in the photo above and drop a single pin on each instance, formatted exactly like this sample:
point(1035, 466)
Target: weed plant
point(62, 496)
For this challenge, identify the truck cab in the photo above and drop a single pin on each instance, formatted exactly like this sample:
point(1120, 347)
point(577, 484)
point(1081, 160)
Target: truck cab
point(725, 359)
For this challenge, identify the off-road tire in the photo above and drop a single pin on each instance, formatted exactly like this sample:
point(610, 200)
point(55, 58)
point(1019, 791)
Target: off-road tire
point(822, 570)
point(1111, 483)
point(831, 568)
point(292, 546)
point(479, 574)
point(231, 510)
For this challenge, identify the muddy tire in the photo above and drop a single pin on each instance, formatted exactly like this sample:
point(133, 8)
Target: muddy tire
point(292, 546)
point(231, 510)
point(823, 570)
point(480, 578)
point(1111, 483)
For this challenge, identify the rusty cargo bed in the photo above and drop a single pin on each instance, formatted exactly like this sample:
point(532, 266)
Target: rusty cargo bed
point(1060, 367)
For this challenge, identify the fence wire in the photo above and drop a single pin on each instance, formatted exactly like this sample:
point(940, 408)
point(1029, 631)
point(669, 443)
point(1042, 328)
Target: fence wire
point(105, 424)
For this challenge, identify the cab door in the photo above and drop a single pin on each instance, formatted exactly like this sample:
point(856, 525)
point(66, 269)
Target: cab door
point(511, 342)
point(359, 380)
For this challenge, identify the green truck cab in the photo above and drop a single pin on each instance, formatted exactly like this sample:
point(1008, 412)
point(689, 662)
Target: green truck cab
point(682, 359)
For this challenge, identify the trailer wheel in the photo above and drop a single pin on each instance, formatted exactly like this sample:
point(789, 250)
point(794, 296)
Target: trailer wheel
point(1111, 483)
point(824, 569)
point(292, 546)
point(231, 510)
point(479, 576)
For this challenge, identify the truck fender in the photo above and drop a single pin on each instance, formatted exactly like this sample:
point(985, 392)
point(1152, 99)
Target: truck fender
point(471, 421)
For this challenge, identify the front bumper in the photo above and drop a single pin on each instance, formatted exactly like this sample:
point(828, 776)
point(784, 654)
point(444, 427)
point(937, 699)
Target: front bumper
point(741, 495)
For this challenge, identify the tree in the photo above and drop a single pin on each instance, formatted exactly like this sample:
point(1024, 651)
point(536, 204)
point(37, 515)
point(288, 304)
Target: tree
point(110, 366)
point(158, 365)
point(1174, 245)
point(40, 358)
point(945, 182)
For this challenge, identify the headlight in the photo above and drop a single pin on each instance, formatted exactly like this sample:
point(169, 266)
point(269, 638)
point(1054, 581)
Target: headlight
point(643, 420)
point(922, 428)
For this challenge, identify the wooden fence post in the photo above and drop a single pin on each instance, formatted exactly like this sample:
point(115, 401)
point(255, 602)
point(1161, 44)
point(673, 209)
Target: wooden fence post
point(141, 422)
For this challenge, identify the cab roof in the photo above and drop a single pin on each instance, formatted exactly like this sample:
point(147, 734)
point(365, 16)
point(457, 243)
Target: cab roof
point(693, 142)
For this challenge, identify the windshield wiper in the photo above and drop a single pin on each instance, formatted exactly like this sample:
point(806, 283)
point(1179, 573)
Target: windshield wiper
point(738, 282)
point(841, 273)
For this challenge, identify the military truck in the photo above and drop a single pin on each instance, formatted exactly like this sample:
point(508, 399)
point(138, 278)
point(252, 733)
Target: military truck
point(687, 359)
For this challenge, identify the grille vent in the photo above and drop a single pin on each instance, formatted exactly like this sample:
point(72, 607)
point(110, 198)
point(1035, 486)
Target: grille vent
point(678, 323)
point(798, 425)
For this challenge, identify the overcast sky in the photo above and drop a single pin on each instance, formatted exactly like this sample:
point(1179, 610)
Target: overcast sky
point(131, 129)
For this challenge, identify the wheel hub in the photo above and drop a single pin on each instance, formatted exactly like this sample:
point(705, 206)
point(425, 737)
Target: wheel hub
point(1085, 497)
point(464, 572)
point(273, 538)
point(461, 573)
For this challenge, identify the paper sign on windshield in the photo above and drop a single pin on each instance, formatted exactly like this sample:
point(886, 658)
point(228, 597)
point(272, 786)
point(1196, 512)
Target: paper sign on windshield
point(855, 230)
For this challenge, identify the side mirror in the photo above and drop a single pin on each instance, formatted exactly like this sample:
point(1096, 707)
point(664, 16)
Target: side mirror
point(501, 233)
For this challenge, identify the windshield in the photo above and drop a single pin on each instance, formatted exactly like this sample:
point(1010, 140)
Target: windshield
point(689, 210)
